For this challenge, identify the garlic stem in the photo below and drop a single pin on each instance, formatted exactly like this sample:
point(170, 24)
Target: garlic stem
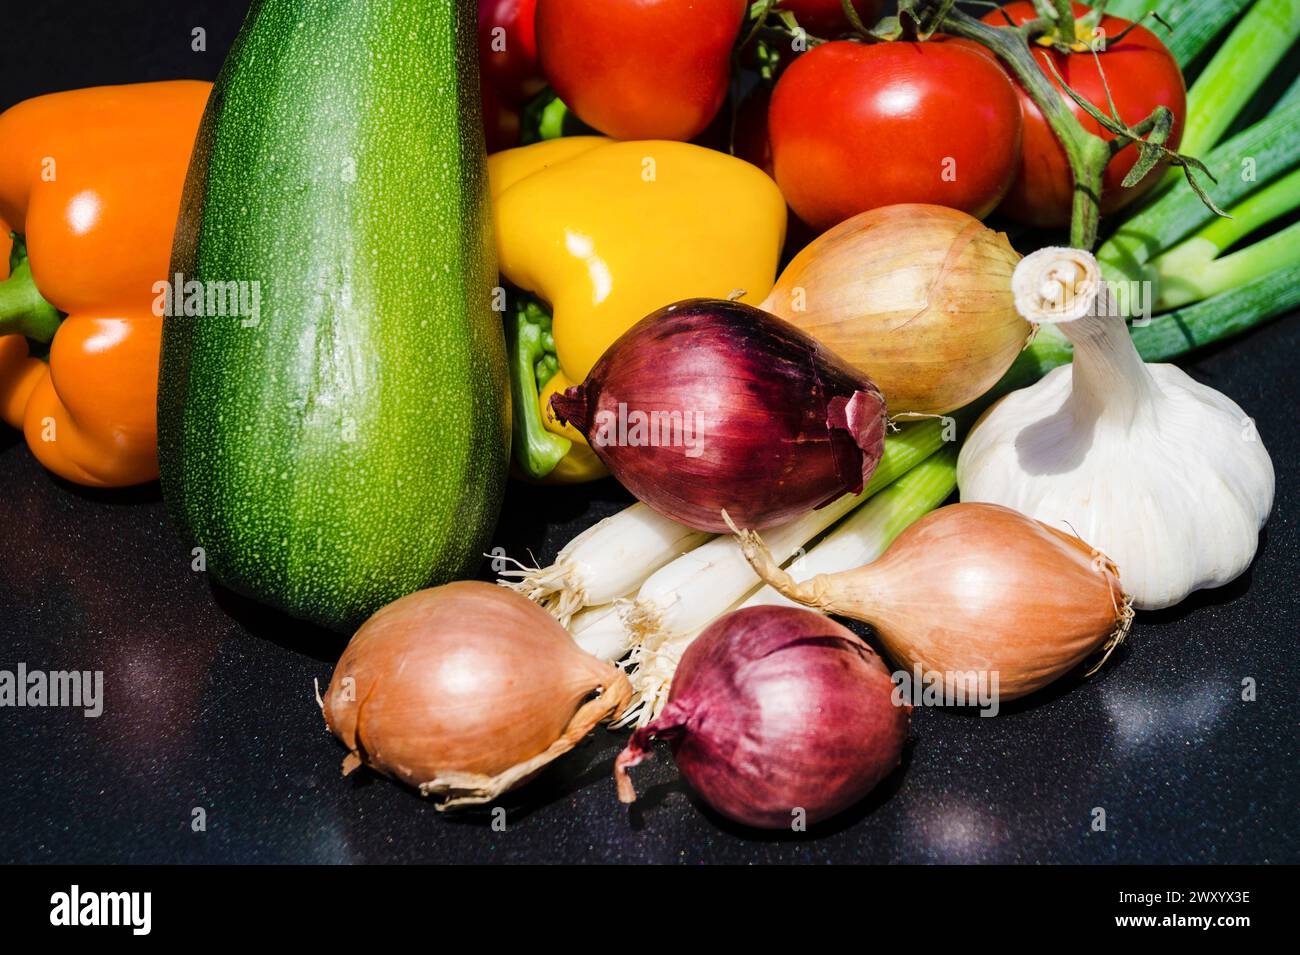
point(1063, 286)
point(1110, 379)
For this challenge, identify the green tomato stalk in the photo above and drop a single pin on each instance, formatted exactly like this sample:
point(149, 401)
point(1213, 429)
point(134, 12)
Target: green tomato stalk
point(1056, 26)
point(1088, 155)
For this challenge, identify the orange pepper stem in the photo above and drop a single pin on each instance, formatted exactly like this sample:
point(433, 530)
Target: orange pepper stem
point(23, 311)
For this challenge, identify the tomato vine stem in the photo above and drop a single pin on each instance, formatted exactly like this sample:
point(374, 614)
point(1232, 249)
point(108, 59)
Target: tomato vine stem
point(1087, 153)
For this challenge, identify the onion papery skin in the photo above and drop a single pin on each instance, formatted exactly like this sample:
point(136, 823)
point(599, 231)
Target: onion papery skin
point(980, 587)
point(775, 710)
point(465, 691)
point(916, 296)
point(784, 426)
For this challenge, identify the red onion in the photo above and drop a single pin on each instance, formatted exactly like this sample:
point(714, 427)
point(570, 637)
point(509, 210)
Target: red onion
point(775, 710)
point(710, 404)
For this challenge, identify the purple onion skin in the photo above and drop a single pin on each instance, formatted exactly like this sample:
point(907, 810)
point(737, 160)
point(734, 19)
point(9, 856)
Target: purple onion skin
point(775, 710)
point(783, 425)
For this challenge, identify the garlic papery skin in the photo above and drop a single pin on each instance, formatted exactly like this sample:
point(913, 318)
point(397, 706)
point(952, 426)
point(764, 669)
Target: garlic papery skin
point(1164, 475)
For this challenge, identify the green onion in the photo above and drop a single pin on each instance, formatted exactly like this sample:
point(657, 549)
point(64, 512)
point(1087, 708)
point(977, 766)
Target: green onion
point(1131, 9)
point(1230, 313)
point(1258, 209)
point(1193, 270)
point(1288, 99)
point(1242, 63)
point(688, 592)
point(716, 578)
point(867, 533)
point(905, 449)
point(1143, 249)
point(1256, 155)
point(1166, 336)
point(606, 561)
point(1196, 23)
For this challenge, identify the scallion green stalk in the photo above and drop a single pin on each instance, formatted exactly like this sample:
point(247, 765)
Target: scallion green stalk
point(1166, 336)
point(1183, 287)
point(701, 584)
point(1194, 24)
point(1288, 99)
point(1256, 155)
point(1272, 201)
point(867, 533)
point(1242, 63)
point(859, 539)
point(1194, 270)
point(1214, 319)
point(905, 449)
point(1132, 9)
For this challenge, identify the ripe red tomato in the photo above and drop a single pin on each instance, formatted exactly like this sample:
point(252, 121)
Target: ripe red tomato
point(640, 69)
point(825, 18)
point(855, 126)
point(1141, 73)
point(507, 49)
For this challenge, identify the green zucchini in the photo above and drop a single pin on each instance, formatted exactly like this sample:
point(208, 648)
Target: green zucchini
point(343, 439)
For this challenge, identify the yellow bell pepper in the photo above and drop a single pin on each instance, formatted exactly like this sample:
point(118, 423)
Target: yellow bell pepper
point(602, 233)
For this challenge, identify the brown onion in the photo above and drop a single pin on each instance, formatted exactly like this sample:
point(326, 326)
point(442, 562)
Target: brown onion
point(465, 691)
point(975, 587)
point(916, 296)
point(777, 715)
point(708, 405)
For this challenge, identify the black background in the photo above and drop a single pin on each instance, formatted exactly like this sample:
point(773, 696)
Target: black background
point(210, 701)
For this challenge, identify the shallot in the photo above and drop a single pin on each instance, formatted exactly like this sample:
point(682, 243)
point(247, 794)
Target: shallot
point(974, 588)
point(466, 691)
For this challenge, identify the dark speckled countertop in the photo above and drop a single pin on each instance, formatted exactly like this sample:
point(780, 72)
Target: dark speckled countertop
point(209, 703)
point(209, 699)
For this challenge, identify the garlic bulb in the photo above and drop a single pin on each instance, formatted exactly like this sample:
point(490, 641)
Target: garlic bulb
point(1164, 475)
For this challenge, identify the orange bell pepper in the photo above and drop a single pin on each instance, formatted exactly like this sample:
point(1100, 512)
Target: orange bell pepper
point(90, 182)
